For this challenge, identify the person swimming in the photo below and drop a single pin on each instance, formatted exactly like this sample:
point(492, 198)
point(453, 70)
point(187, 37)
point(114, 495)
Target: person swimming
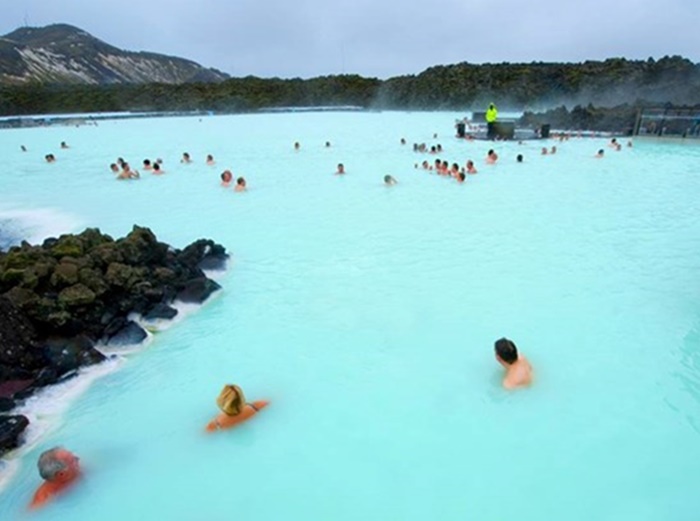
point(491, 157)
point(59, 469)
point(600, 154)
point(341, 169)
point(471, 169)
point(128, 173)
point(234, 408)
point(518, 369)
point(297, 146)
point(147, 164)
point(226, 178)
point(156, 170)
point(210, 160)
point(186, 159)
point(519, 158)
point(114, 168)
point(461, 177)
point(389, 180)
point(64, 145)
point(240, 185)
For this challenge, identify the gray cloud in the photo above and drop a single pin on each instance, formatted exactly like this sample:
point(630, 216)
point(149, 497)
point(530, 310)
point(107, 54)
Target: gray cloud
point(373, 38)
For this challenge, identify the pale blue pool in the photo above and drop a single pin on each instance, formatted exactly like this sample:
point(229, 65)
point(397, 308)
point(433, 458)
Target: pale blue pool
point(367, 315)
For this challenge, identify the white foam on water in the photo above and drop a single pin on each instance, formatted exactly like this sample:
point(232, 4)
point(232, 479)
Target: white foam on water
point(36, 225)
point(45, 409)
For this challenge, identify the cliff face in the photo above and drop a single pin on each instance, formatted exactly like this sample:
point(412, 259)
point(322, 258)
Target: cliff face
point(67, 55)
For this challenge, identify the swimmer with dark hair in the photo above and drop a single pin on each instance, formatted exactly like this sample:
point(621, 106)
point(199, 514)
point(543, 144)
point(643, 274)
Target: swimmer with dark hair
point(297, 146)
point(64, 145)
point(491, 157)
point(128, 173)
point(600, 154)
point(226, 178)
point(114, 168)
point(147, 164)
point(59, 469)
point(544, 151)
point(471, 169)
point(553, 150)
point(185, 158)
point(156, 170)
point(240, 185)
point(403, 142)
point(461, 177)
point(210, 160)
point(23, 148)
point(328, 144)
point(519, 158)
point(340, 170)
point(389, 180)
point(234, 409)
point(518, 369)
point(454, 170)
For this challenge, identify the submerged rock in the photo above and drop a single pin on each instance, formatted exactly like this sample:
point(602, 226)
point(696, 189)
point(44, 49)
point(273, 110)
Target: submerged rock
point(130, 334)
point(11, 428)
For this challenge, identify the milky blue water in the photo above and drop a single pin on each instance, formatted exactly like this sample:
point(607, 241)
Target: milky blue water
point(367, 315)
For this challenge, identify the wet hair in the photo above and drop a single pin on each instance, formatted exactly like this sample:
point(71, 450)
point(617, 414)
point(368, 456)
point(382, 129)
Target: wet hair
point(156, 167)
point(389, 180)
point(506, 350)
point(490, 152)
point(240, 181)
point(120, 161)
point(519, 158)
point(470, 163)
point(146, 162)
point(455, 166)
point(601, 152)
point(231, 399)
point(50, 464)
point(113, 166)
point(461, 176)
point(328, 143)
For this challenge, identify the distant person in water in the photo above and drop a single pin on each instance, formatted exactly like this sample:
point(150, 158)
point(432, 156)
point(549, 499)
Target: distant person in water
point(226, 178)
point(389, 180)
point(50, 158)
point(120, 162)
point(403, 142)
point(340, 170)
point(461, 177)
point(425, 165)
point(185, 158)
point(59, 469)
point(210, 160)
point(629, 144)
point(328, 144)
point(613, 143)
point(297, 146)
point(234, 408)
point(471, 169)
point(114, 168)
point(544, 151)
point(128, 173)
point(518, 369)
point(240, 185)
point(519, 158)
point(147, 164)
point(553, 150)
point(156, 170)
point(491, 157)
point(23, 148)
point(600, 154)
point(64, 144)
point(454, 170)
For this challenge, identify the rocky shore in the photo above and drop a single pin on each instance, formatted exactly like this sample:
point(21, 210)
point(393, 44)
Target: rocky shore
point(61, 298)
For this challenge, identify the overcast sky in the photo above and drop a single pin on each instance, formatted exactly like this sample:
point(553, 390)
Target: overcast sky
point(306, 38)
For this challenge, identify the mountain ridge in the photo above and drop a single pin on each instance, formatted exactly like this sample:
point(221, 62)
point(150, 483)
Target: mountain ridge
point(65, 54)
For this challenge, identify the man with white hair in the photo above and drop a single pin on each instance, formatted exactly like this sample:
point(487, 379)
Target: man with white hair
point(60, 469)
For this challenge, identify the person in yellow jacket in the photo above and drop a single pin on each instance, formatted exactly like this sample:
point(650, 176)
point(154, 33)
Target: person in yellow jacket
point(491, 116)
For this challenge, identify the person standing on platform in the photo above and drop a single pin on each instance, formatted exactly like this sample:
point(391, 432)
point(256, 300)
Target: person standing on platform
point(491, 116)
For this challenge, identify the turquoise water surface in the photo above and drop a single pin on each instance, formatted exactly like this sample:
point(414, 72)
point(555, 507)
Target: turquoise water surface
point(367, 315)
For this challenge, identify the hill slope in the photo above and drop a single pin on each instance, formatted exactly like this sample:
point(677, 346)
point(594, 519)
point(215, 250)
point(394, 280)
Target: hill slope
point(63, 54)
